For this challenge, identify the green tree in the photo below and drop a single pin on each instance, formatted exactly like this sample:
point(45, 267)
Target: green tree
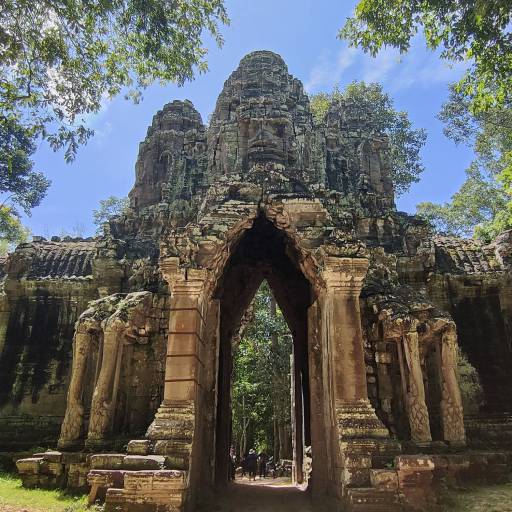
point(476, 32)
point(12, 231)
point(110, 207)
point(21, 188)
point(261, 385)
point(480, 207)
point(60, 59)
point(377, 106)
point(483, 205)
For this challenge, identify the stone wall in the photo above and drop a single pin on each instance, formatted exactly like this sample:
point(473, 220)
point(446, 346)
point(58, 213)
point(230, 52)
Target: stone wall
point(45, 289)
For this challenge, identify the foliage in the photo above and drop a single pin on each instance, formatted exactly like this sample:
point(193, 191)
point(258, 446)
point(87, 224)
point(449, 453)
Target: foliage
point(377, 106)
point(321, 102)
point(20, 186)
point(12, 231)
point(470, 387)
point(261, 376)
point(60, 60)
point(12, 493)
point(480, 207)
point(473, 31)
point(24, 186)
point(483, 205)
point(110, 207)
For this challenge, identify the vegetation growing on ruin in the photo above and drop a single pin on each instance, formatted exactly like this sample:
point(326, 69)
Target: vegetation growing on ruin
point(405, 142)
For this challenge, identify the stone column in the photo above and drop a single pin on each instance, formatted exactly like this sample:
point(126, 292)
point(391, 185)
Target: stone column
point(102, 407)
point(452, 415)
point(174, 423)
point(415, 398)
point(355, 416)
point(71, 428)
point(297, 420)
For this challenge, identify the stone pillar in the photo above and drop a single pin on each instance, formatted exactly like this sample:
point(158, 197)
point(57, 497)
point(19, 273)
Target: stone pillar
point(452, 415)
point(355, 416)
point(174, 423)
point(297, 420)
point(71, 428)
point(415, 398)
point(102, 407)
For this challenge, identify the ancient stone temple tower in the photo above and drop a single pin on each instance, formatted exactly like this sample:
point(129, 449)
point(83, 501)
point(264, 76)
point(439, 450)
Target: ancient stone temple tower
point(126, 338)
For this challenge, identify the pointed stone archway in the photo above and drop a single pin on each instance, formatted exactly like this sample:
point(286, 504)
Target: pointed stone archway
point(320, 302)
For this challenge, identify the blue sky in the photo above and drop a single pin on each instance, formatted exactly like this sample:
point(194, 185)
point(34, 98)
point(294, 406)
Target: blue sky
point(303, 32)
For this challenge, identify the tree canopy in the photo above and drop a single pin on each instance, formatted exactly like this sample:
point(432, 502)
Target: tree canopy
point(20, 186)
point(476, 32)
point(405, 141)
point(483, 205)
point(60, 60)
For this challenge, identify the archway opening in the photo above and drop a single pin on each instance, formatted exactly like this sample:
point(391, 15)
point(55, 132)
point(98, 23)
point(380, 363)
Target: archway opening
point(263, 253)
point(261, 400)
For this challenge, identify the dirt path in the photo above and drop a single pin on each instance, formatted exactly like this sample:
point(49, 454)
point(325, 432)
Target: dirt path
point(263, 496)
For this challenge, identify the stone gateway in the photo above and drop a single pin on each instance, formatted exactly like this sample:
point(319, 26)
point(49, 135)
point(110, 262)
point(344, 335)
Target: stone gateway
point(401, 339)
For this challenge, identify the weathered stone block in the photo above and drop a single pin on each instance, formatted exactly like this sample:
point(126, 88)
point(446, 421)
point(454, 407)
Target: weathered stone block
point(383, 357)
point(30, 466)
point(52, 456)
point(107, 461)
point(74, 457)
point(384, 478)
point(139, 447)
point(141, 462)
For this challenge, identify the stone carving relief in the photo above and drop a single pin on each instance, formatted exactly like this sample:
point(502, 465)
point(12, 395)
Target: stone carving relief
point(417, 408)
point(451, 402)
point(115, 320)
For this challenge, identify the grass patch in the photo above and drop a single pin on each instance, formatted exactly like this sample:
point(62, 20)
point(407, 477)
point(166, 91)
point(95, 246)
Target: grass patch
point(12, 494)
point(495, 498)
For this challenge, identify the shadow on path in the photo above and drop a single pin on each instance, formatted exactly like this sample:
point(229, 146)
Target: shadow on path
point(277, 495)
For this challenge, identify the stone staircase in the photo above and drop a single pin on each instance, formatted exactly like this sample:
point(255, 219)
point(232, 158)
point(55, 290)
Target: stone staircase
point(127, 481)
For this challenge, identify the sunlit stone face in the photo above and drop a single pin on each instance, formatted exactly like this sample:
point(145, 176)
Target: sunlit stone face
point(260, 119)
point(268, 141)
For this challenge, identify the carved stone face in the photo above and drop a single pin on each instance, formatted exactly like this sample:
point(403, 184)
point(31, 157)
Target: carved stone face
point(266, 141)
point(261, 117)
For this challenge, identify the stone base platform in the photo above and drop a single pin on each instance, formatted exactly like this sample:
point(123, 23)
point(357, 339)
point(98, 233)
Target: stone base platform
point(137, 482)
point(375, 478)
point(360, 456)
point(489, 431)
point(414, 480)
point(138, 491)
